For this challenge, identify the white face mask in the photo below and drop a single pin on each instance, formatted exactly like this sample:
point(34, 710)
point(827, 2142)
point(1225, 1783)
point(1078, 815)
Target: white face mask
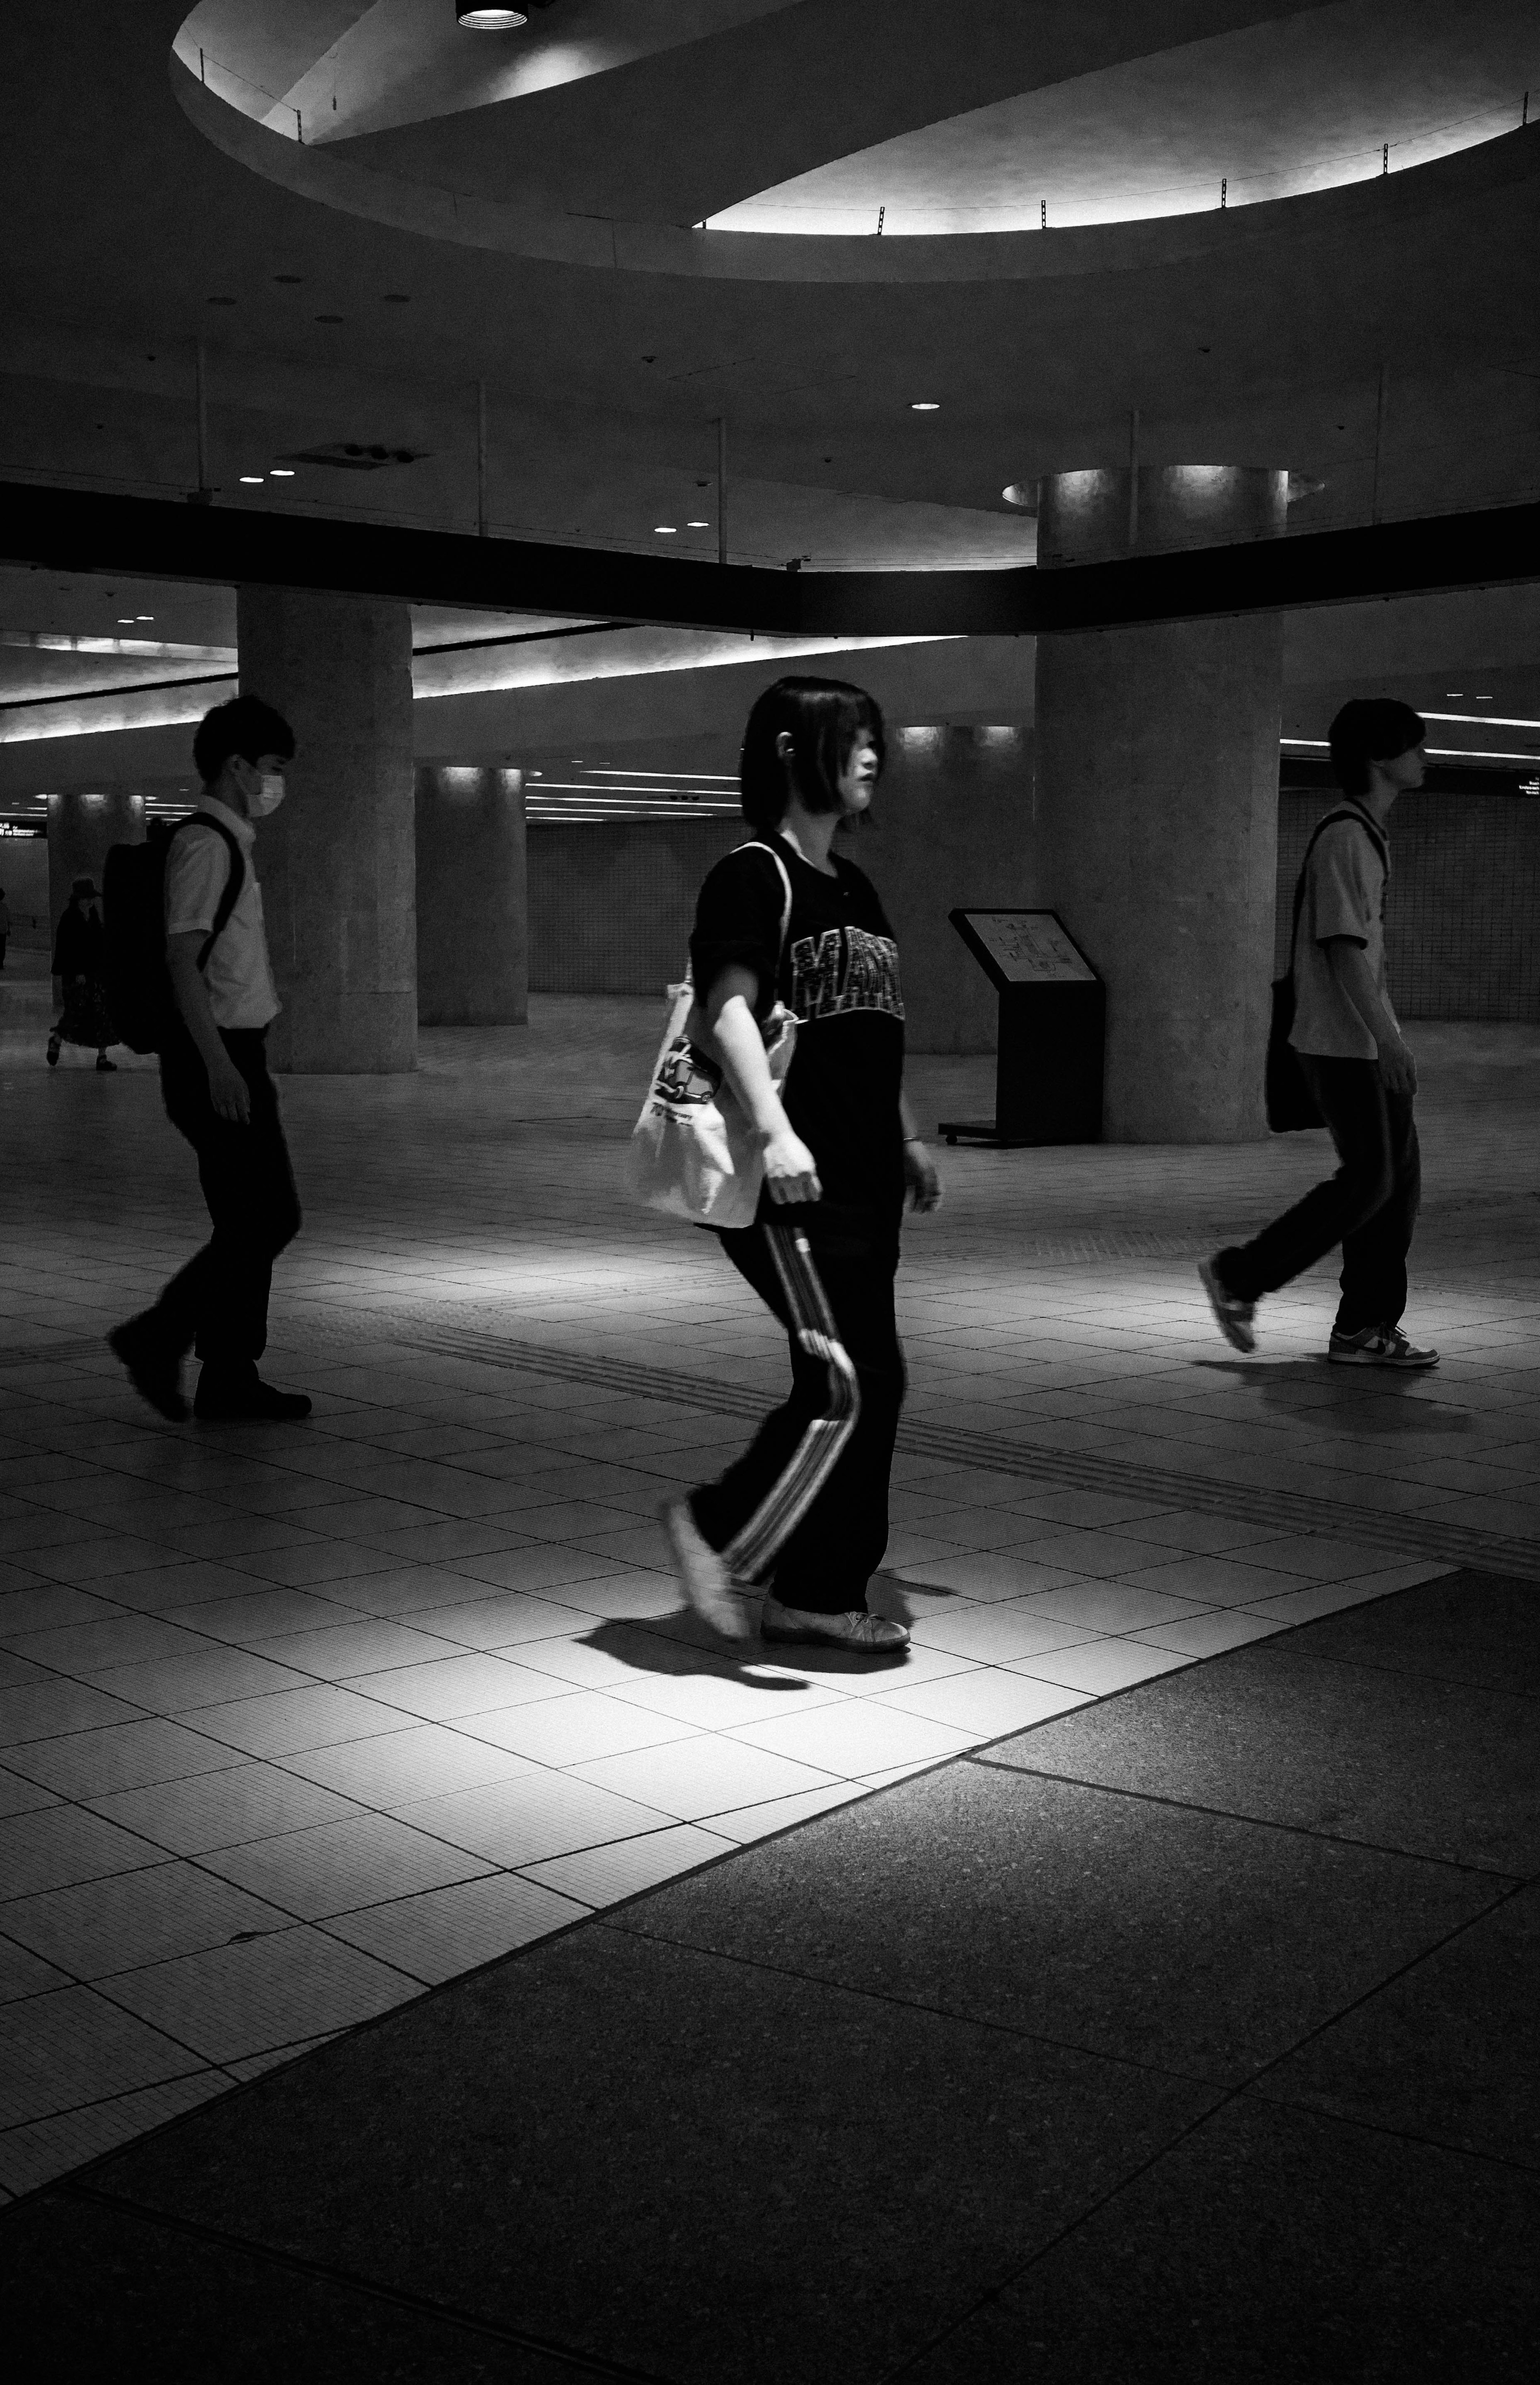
point(271, 792)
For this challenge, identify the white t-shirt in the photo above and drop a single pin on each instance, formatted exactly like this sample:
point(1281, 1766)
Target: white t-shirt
point(1345, 883)
point(238, 976)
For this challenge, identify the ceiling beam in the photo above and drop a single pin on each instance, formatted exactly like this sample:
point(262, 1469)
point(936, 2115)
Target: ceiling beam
point(82, 530)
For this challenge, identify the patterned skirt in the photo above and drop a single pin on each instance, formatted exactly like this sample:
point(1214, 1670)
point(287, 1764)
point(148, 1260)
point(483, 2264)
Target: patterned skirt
point(85, 1018)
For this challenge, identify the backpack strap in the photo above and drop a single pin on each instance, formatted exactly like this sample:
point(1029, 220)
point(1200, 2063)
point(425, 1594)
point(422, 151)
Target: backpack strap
point(234, 883)
point(1344, 811)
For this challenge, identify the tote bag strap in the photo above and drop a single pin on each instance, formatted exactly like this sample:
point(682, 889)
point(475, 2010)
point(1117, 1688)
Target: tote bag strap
point(757, 844)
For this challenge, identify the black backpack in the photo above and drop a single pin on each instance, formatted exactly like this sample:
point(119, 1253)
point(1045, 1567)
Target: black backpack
point(134, 908)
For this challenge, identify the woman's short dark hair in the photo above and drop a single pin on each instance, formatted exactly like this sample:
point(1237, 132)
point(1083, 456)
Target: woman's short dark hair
point(1372, 728)
point(824, 718)
point(245, 726)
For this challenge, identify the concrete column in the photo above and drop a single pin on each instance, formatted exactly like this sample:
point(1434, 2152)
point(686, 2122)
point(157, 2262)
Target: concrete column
point(951, 827)
point(472, 911)
point(1157, 804)
point(337, 864)
point(81, 827)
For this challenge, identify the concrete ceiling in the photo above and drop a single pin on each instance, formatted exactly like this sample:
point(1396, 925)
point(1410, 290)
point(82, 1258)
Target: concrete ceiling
point(533, 235)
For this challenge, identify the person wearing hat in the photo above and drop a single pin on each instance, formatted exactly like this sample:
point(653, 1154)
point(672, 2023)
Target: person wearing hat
point(77, 963)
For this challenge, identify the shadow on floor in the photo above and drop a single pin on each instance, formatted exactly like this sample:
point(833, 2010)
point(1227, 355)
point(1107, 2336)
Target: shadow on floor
point(1383, 1403)
point(1191, 2036)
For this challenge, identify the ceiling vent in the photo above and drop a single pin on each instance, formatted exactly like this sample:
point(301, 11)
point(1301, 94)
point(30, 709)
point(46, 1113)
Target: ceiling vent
point(352, 456)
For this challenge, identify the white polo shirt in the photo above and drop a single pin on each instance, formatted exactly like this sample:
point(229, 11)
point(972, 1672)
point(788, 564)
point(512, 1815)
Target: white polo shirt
point(239, 976)
point(1345, 883)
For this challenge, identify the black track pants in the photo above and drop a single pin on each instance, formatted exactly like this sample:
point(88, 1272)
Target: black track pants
point(805, 1510)
point(1369, 1206)
point(219, 1299)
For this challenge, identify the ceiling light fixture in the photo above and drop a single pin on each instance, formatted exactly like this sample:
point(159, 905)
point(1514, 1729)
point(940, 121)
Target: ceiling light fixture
point(698, 525)
point(250, 480)
point(478, 19)
point(924, 406)
point(665, 529)
point(281, 472)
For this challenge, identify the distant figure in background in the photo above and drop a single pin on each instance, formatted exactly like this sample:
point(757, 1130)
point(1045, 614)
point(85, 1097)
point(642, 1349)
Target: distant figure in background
point(78, 962)
point(217, 1091)
point(1353, 1059)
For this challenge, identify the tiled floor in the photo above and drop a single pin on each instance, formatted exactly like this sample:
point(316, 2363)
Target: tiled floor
point(296, 1720)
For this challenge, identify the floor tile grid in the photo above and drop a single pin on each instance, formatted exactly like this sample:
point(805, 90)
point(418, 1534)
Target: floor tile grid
point(607, 1301)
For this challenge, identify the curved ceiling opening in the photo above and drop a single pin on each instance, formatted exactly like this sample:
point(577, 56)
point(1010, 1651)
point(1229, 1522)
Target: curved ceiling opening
point(1308, 101)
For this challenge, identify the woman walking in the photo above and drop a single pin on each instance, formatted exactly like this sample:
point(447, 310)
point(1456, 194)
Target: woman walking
point(805, 1510)
point(79, 963)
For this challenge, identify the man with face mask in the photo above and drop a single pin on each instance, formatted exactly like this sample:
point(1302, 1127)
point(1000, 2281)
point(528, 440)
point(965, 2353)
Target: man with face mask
point(217, 1091)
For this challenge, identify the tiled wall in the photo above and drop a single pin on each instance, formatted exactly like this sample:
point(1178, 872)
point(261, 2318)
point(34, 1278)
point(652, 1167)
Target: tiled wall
point(1462, 918)
point(610, 908)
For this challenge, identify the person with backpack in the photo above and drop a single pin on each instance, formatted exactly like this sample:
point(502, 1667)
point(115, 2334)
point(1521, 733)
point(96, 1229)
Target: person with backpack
point(1354, 1064)
point(211, 1031)
point(79, 965)
point(804, 1512)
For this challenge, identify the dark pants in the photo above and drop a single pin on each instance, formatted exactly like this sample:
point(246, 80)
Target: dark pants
point(805, 1508)
point(1369, 1206)
point(219, 1300)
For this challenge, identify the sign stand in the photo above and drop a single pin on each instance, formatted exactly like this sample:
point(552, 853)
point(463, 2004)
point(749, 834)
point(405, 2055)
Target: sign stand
point(1052, 1025)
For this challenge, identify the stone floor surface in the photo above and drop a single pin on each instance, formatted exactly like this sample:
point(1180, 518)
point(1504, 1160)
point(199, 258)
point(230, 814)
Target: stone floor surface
point(297, 1721)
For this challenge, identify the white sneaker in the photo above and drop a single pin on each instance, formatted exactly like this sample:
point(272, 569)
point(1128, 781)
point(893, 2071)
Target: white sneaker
point(1379, 1345)
point(864, 1634)
point(704, 1575)
point(1233, 1316)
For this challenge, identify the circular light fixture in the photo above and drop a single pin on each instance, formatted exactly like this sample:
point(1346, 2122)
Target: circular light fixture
point(924, 406)
point(665, 530)
point(478, 19)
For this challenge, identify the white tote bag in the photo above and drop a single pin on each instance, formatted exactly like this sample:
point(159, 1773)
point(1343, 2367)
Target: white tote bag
point(693, 1152)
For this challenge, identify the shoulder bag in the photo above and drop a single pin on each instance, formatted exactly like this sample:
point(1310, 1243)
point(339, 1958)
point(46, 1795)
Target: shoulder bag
point(693, 1154)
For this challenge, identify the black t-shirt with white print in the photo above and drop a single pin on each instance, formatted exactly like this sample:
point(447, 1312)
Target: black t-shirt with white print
point(839, 974)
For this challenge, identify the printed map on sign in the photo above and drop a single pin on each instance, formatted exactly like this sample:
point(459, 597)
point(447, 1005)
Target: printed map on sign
point(1030, 948)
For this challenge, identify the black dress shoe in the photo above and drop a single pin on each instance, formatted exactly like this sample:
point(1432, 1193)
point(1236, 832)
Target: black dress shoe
point(230, 1399)
point(154, 1369)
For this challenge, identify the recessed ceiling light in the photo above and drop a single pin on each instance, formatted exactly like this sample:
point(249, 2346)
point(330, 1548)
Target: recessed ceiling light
point(665, 529)
point(1455, 694)
point(143, 617)
point(281, 472)
point(478, 18)
point(924, 406)
point(1484, 699)
point(125, 621)
point(250, 480)
point(698, 525)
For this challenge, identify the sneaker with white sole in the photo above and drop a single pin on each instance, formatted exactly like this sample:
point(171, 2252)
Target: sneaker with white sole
point(1379, 1345)
point(704, 1574)
point(1233, 1316)
point(862, 1634)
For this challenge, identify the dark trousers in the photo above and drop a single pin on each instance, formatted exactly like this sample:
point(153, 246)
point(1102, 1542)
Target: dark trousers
point(1369, 1206)
point(805, 1508)
point(219, 1300)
